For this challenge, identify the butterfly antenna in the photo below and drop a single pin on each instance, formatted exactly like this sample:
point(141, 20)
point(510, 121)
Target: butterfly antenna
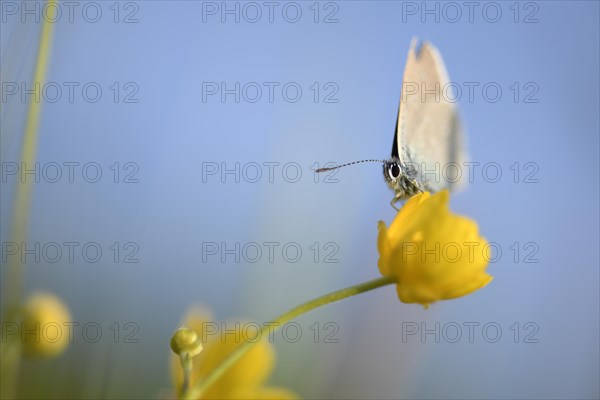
point(345, 165)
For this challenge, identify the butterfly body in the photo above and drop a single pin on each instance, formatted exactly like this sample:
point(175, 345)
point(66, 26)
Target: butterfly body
point(401, 178)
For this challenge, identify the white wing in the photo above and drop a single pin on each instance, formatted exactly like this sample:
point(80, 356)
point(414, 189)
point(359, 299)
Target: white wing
point(428, 134)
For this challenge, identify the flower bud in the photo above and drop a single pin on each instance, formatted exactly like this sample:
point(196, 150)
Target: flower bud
point(185, 340)
point(44, 329)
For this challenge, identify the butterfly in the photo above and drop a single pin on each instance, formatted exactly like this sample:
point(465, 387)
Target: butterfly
point(428, 137)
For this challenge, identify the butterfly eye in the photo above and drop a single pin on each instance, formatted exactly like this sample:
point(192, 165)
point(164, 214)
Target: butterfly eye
point(394, 171)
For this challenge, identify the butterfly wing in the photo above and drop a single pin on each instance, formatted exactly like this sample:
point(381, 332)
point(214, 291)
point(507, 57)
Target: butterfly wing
point(428, 131)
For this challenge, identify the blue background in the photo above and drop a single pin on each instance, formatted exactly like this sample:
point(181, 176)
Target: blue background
point(171, 133)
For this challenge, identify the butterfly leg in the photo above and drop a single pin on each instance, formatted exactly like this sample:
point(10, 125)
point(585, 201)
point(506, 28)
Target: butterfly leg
point(394, 201)
point(416, 184)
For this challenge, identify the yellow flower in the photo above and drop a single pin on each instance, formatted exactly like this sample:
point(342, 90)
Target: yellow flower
point(434, 254)
point(245, 379)
point(44, 329)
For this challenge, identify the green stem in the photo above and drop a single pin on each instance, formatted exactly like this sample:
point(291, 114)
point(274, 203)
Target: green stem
point(186, 365)
point(13, 282)
point(202, 386)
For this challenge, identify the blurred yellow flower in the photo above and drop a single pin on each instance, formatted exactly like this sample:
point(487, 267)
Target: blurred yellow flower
point(44, 326)
point(433, 253)
point(245, 379)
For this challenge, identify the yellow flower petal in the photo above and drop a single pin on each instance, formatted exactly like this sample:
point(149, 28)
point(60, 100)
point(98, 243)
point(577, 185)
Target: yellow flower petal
point(435, 255)
point(407, 212)
point(251, 371)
